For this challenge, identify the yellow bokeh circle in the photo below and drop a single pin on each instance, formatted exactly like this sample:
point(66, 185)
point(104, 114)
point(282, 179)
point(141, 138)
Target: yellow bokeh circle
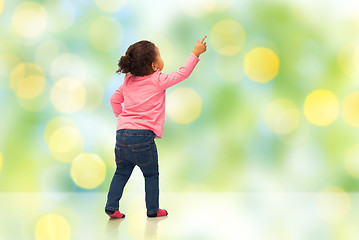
point(281, 116)
point(27, 80)
point(184, 105)
point(52, 227)
point(261, 64)
point(105, 34)
point(1, 5)
point(30, 87)
point(321, 107)
point(23, 70)
point(63, 139)
point(333, 204)
point(29, 19)
point(110, 5)
point(68, 95)
point(55, 124)
point(352, 161)
point(227, 37)
point(88, 170)
point(350, 109)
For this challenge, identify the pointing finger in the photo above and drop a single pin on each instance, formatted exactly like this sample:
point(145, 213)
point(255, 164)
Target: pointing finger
point(203, 39)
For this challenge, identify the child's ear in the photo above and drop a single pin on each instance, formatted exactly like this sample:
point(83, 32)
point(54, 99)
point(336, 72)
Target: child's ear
point(154, 68)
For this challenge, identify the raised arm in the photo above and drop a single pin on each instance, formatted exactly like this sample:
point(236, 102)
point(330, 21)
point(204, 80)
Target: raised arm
point(168, 80)
point(116, 100)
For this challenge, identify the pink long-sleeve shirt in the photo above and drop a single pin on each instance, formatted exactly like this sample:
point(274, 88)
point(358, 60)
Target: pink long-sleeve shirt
point(144, 98)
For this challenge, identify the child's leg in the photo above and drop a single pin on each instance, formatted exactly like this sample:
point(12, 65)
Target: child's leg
point(151, 175)
point(152, 189)
point(119, 180)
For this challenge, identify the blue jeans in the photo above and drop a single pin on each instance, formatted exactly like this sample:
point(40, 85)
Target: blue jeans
point(135, 148)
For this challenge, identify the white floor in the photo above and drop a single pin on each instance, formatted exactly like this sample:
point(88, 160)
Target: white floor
point(277, 216)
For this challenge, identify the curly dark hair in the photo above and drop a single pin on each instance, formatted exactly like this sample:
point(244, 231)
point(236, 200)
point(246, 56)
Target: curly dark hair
point(138, 59)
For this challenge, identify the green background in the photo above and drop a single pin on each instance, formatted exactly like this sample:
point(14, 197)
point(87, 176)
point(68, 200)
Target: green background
point(229, 147)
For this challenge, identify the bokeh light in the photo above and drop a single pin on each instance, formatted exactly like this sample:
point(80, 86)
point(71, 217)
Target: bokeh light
point(227, 37)
point(261, 64)
point(184, 105)
point(28, 80)
point(333, 204)
point(52, 227)
point(88, 170)
point(281, 116)
point(350, 109)
point(29, 19)
point(1, 5)
point(105, 34)
point(352, 161)
point(321, 107)
point(29, 83)
point(63, 139)
point(111, 5)
point(68, 95)
point(30, 87)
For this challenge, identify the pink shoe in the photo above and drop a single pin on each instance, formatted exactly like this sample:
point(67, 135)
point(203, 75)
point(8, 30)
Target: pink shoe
point(160, 213)
point(116, 214)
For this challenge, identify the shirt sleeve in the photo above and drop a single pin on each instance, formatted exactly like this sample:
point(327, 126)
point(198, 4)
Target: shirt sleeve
point(168, 80)
point(116, 100)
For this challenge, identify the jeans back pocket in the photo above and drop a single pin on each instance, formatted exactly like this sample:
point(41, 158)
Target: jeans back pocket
point(142, 155)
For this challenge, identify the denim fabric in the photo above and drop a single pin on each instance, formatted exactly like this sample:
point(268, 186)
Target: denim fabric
point(135, 148)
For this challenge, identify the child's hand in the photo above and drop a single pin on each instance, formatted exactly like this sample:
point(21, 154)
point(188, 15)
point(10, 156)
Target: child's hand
point(200, 47)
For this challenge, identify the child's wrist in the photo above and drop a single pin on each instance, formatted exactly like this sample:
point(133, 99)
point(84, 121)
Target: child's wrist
point(196, 53)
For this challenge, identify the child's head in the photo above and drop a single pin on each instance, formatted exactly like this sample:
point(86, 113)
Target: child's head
point(142, 58)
